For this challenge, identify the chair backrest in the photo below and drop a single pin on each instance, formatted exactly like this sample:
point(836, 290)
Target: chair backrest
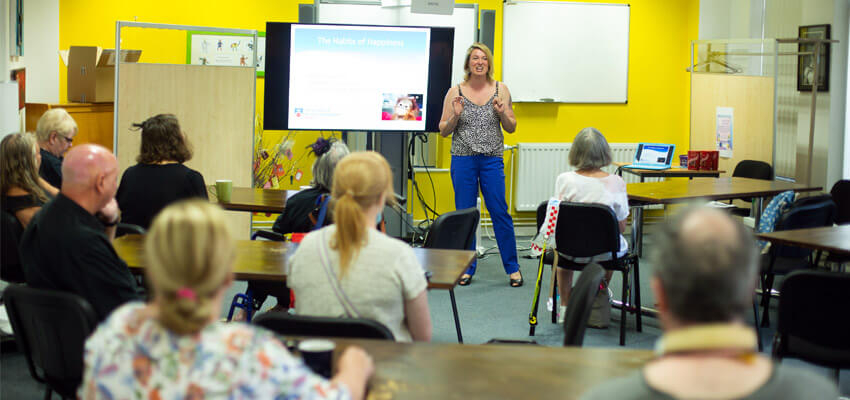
point(51, 328)
point(10, 260)
point(753, 169)
point(580, 304)
point(302, 325)
point(807, 212)
point(812, 318)
point(586, 230)
point(841, 196)
point(453, 230)
point(128, 229)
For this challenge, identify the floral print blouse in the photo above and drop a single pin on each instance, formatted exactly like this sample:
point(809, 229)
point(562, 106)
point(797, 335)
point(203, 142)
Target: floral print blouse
point(132, 356)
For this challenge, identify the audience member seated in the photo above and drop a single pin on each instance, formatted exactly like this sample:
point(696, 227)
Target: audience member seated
point(23, 190)
point(55, 132)
point(68, 244)
point(300, 215)
point(704, 277)
point(589, 153)
point(159, 178)
point(350, 269)
point(175, 347)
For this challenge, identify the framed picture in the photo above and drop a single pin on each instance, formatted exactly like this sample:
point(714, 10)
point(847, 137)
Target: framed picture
point(806, 62)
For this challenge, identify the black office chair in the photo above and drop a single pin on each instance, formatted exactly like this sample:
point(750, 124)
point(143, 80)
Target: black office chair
point(580, 304)
point(128, 229)
point(812, 325)
point(586, 230)
point(841, 196)
point(454, 230)
point(808, 212)
point(754, 170)
point(51, 328)
point(286, 324)
point(11, 269)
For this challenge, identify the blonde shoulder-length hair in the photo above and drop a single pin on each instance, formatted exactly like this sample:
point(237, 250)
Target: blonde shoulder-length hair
point(483, 47)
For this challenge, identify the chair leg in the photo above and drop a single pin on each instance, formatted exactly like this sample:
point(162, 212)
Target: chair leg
point(765, 293)
point(624, 309)
point(555, 301)
point(637, 305)
point(756, 322)
point(454, 312)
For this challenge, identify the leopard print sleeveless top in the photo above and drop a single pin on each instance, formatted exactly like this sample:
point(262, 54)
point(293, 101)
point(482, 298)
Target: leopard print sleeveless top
point(478, 130)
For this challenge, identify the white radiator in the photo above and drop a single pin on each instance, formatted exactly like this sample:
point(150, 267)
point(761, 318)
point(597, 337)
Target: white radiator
point(539, 164)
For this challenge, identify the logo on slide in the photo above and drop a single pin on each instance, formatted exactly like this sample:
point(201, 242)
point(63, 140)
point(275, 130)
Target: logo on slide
point(299, 111)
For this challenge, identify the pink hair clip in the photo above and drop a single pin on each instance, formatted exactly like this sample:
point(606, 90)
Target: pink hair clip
point(186, 293)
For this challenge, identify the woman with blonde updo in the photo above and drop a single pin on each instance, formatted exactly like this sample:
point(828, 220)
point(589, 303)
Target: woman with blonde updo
point(174, 347)
point(350, 269)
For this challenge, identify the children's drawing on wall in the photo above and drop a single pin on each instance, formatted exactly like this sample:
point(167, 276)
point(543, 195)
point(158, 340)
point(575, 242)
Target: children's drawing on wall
point(210, 49)
point(220, 43)
point(234, 47)
point(203, 60)
point(242, 60)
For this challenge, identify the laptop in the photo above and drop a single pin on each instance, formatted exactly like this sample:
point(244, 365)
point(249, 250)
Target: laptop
point(653, 156)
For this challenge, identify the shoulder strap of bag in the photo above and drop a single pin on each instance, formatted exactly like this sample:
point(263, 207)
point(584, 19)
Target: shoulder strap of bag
point(336, 285)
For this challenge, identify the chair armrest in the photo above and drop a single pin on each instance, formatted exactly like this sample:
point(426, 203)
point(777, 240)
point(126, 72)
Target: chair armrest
point(270, 235)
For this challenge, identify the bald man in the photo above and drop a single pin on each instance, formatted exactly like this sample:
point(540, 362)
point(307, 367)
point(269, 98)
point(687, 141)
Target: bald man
point(705, 273)
point(68, 244)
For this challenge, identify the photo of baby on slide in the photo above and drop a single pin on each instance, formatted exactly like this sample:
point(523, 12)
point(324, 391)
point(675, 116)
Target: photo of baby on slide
point(407, 107)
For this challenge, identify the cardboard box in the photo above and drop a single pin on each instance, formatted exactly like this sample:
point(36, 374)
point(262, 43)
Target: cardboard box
point(709, 160)
point(91, 72)
point(693, 160)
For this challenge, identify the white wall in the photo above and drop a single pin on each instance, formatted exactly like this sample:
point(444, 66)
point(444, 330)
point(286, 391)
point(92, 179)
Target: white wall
point(41, 50)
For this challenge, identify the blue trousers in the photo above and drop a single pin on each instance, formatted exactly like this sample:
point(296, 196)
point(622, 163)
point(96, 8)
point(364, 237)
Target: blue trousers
point(468, 174)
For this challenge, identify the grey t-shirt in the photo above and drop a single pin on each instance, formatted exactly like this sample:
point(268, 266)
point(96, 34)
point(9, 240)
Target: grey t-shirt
point(784, 383)
point(380, 279)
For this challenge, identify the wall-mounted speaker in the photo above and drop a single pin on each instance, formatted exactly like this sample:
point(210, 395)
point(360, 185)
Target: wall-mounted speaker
point(307, 13)
point(488, 28)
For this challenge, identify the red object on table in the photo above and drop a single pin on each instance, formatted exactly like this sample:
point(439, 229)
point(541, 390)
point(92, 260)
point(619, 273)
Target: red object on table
point(693, 160)
point(709, 160)
point(297, 237)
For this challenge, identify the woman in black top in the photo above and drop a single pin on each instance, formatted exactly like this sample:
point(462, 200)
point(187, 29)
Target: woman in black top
point(23, 190)
point(159, 178)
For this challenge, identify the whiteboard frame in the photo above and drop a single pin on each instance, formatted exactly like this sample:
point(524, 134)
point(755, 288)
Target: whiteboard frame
point(628, 49)
point(476, 36)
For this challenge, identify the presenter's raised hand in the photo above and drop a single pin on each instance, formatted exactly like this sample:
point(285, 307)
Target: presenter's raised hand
point(457, 105)
point(499, 105)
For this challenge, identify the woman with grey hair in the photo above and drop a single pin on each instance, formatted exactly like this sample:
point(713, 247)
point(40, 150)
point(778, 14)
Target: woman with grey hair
point(588, 183)
point(296, 216)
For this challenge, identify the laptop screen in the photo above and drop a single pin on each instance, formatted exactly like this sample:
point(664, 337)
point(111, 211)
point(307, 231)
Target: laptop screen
point(659, 154)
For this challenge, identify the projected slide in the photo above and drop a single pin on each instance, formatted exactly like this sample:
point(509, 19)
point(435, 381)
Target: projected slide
point(358, 78)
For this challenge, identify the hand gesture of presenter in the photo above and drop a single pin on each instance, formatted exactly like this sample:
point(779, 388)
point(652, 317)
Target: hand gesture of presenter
point(475, 113)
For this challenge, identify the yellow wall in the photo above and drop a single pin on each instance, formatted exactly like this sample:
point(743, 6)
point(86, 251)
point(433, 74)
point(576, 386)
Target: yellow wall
point(657, 109)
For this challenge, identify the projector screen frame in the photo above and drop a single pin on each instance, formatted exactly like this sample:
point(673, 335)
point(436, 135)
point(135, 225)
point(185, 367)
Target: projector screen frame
point(278, 69)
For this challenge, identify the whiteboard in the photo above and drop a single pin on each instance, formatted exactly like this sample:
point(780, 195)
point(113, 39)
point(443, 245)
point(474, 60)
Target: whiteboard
point(566, 52)
point(464, 20)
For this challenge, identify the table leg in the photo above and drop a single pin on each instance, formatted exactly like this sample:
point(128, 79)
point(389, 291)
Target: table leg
point(758, 208)
point(454, 312)
point(637, 230)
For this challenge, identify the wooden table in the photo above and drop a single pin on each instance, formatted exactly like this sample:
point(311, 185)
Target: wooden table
point(266, 261)
point(667, 173)
point(834, 239)
point(669, 192)
point(453, 371)
point(253, 200)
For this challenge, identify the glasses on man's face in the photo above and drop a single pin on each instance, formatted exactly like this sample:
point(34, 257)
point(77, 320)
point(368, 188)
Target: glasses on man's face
point(67, 139)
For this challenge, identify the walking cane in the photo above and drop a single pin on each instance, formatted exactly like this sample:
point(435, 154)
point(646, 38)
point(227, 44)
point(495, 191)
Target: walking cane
point(532, 316)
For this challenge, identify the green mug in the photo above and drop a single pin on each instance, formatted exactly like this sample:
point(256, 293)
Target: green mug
point(223, 190)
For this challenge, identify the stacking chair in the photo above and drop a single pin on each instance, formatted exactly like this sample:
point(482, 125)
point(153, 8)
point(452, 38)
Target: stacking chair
point(51, 328)
point(10, 261)
point(128, 229)
point(812, 322)
point(283, 323)
point(754, 170)
point(454, 230)
point(580, 304)
point(586, 230)
point(808, 212)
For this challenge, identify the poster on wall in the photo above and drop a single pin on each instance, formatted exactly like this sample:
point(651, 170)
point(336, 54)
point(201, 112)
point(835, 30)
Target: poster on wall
point(724, 125)
point(207, 48)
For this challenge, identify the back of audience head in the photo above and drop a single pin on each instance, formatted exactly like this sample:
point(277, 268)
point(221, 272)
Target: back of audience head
point(163, 141)
point(55, 131)
point(361, 181)
point(90, 175)
point(323, 168)
point(590, 150)
point(705, 267)
point(190, 254)
point(19, 162)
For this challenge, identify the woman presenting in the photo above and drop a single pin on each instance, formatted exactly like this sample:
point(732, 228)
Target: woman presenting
point(476, 111)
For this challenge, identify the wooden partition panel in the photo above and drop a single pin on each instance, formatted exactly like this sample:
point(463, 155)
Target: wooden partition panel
point(215, 107)
point(751, 97)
